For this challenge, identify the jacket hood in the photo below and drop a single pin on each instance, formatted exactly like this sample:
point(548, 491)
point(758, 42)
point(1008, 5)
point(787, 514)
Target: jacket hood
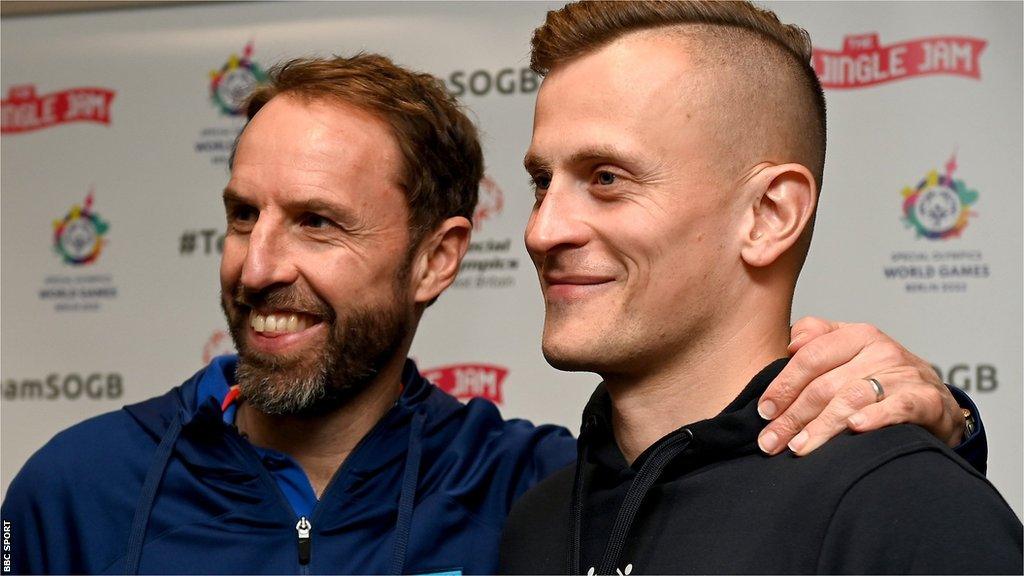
point(197, 403)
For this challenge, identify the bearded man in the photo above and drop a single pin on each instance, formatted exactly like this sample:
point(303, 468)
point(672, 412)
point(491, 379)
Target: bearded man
point(320, 448)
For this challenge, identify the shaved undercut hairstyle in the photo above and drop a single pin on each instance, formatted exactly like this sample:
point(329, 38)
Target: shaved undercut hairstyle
point(740, 34)
point(442, 159)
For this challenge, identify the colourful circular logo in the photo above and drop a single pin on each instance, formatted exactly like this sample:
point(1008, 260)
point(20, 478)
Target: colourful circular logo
point(939, 206)
point(231, 86)
point(78, 238)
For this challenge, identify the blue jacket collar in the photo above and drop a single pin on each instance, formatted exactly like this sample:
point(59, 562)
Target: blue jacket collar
point(197, 402)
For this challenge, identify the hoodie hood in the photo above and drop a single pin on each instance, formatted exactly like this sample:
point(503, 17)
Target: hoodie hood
point(732, 432)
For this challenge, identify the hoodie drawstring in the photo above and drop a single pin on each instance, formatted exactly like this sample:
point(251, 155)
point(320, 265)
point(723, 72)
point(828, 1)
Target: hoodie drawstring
point(645, 478)
point(154, 476)
point(410, 480)
point(576, 511)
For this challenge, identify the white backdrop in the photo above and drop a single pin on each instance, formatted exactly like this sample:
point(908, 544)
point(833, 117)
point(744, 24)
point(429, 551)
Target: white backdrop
point(113, 158)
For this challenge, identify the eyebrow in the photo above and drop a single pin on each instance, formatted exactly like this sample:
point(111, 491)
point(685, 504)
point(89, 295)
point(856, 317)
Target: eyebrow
point(232, 197)
point(317, 205)
point(536, 162)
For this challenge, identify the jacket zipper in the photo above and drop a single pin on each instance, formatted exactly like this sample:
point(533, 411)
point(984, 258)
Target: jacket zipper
point(340, 472)
point(304, 534)
point(302, 529)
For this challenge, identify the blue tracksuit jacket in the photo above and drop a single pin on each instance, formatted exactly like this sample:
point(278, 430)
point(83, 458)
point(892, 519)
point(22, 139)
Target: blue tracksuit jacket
point(165, 486)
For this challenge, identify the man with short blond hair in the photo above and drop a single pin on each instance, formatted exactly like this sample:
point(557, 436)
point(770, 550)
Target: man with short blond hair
point(677, 154)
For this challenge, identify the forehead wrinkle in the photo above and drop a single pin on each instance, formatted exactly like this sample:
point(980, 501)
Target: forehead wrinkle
point(327, 158)
point(318, 147)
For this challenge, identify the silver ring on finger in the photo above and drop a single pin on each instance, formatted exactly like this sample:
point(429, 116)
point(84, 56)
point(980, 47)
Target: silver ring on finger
point(876, 386)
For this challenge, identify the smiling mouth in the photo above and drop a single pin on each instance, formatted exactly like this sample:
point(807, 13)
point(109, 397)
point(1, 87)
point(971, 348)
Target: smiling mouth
point(280, 322)
point(570, 280)
point(567, 287)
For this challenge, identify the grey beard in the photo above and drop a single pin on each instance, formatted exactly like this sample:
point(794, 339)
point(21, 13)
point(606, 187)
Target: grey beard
point(271, 390)
point(358, 347)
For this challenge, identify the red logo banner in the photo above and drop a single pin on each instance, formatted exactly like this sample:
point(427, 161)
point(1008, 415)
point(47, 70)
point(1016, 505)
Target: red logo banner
point(465, 381)
point(863, 61)
point(24, 111)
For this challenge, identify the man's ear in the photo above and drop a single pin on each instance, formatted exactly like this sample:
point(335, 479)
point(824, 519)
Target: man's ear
point(784, 200)
point(438, 258)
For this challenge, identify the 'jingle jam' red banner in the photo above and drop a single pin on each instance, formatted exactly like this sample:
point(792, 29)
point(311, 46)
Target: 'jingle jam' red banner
point(24, 111)
point(863, 61)
point(465, 381)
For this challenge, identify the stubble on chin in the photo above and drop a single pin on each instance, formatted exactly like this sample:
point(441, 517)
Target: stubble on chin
point(558, 344)
point(579, 337)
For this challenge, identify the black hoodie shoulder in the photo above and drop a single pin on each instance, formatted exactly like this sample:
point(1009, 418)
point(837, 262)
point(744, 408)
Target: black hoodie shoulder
point(536, 535)
point(894, 501)
point(891, 501)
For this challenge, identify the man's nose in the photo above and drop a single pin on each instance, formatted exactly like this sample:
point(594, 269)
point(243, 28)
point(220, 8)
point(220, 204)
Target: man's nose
point(558, 222)
point(269, 259)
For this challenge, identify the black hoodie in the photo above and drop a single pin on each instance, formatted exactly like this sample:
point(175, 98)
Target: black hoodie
point(704, 499)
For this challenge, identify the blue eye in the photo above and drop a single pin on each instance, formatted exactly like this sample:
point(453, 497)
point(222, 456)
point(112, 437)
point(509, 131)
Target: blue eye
point(605, 178)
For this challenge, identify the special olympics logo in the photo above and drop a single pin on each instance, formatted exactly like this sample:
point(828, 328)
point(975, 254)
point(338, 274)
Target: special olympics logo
point(78, 238)
point(490, 203)
point(231, 86)
point(939, 207)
